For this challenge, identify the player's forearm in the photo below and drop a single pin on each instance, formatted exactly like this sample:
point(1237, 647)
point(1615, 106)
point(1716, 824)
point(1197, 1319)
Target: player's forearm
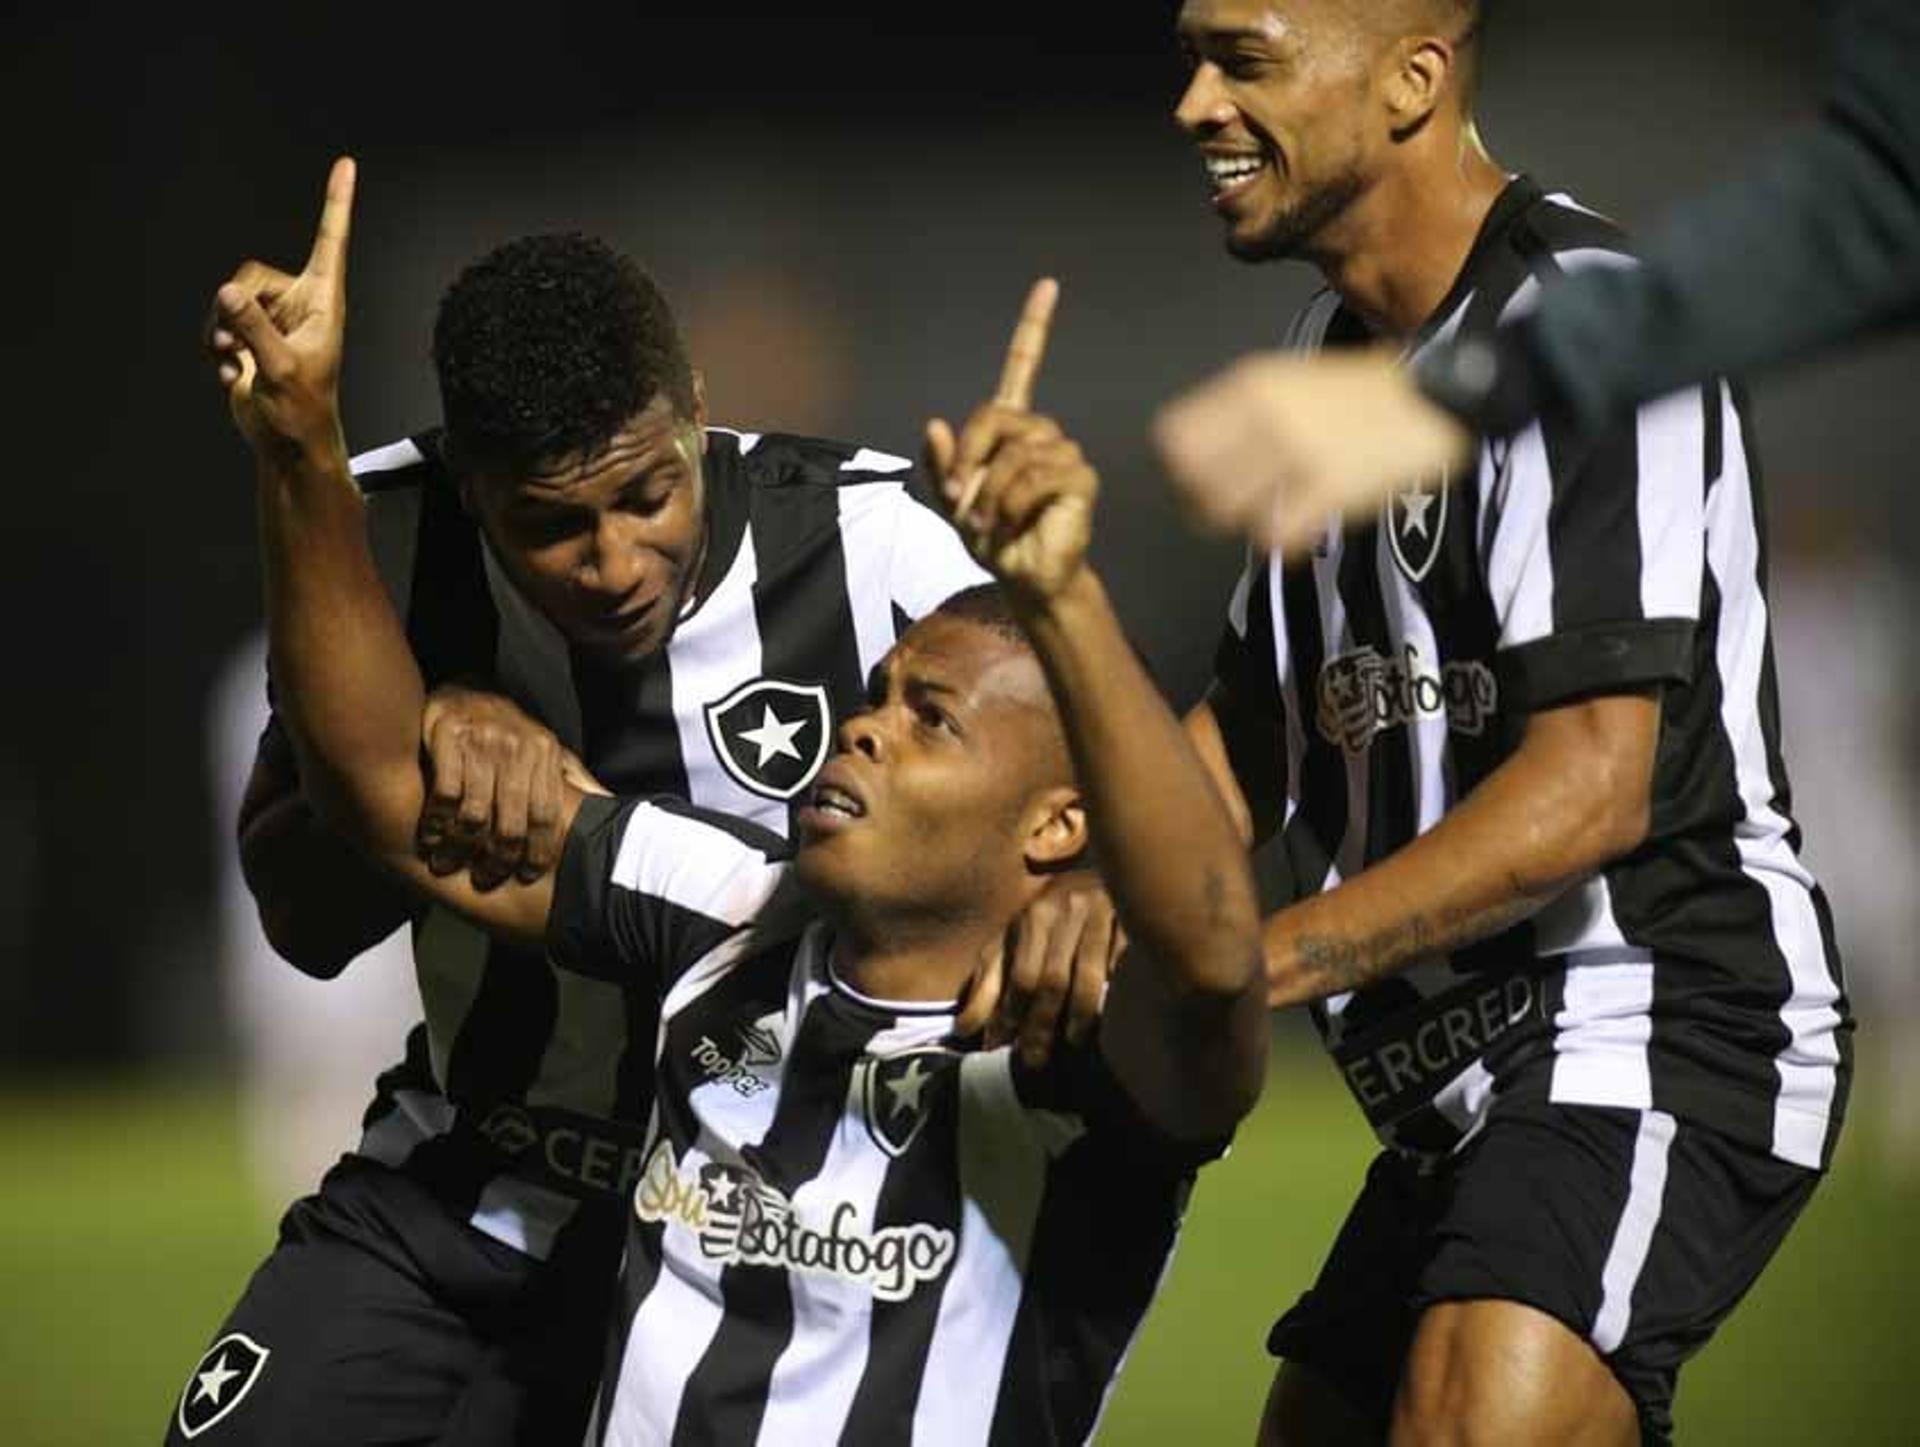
point(1552, 815)
point(1168, 849)
point(351, 693)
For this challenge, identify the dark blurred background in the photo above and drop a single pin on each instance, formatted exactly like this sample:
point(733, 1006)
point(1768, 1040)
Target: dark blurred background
point(846, 205)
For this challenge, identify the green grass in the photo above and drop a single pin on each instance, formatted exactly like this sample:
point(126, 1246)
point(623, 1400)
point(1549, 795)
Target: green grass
point(126, 1229)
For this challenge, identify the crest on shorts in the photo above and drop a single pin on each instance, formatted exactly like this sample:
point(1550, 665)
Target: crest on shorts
point(897, 1096)
point(220, 1382)
point(772, 736)
point(1416, 522)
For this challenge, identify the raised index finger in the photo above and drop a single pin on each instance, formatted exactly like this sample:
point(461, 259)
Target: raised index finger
point(329, 255)
point(1029, 345)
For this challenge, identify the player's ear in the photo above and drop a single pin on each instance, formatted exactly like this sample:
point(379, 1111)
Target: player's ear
point(1417, 69)
point(700, 401)
point(1056, 831)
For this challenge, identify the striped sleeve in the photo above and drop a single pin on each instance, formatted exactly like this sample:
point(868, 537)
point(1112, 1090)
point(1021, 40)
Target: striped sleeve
point(1593, 553)
point(929, 563)
point(646, 887)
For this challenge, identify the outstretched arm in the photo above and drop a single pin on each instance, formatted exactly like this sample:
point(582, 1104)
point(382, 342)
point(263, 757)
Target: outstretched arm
point(1185, 1026)
point(350, 692)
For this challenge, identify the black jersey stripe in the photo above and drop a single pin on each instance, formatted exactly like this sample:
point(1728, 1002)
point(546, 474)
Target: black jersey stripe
point(452, 622)
point(1250, 709)
point(800, 594)
point(1088, 1284)
point(1313, 835)
point(1593, 528)
point(922, 1186)
point(1390, 790)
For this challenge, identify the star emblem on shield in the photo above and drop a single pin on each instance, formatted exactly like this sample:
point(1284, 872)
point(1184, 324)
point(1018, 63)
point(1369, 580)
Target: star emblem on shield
point(220, 1382)
point(1416, 523)
point(772, 736)
point(898, 1093)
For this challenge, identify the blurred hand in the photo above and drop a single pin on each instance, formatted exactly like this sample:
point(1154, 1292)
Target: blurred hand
point(1020, 490)
point(499, 779)
point(1048, 979)
point(1279, 445)
point(276, 340)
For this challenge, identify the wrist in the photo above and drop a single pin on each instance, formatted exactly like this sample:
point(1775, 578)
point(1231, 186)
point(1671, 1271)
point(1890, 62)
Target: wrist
point(316, 456)
point(1077, 597)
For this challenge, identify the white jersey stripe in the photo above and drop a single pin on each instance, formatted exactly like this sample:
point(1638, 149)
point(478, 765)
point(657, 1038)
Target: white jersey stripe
point(711, 653)
point(391, 458)
point(1646, 1191)
point(1293, 698)
point(869, 585)
point(523, 1215)
point(670, 1332)
point(1520, 564)
point(1672, 440)
point(1808, 1066)
point(1601, 1032)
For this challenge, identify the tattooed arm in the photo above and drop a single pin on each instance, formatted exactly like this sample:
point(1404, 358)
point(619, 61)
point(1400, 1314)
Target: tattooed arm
point(1574, 796)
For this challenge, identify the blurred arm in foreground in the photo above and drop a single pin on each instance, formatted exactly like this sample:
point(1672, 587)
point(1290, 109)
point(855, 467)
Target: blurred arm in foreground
point(1817, 245)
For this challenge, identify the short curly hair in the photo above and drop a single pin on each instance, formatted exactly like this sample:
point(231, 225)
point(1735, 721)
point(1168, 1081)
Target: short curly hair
point(545, 347)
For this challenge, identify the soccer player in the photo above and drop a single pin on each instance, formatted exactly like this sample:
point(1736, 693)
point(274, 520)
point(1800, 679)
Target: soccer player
point(1517, 738)
point(691, 611)
point(1817, 245)
point(848, 1227)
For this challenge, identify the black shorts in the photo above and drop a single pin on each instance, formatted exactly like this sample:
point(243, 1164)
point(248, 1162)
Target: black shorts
point(380, 1317)
point(1637, 1232)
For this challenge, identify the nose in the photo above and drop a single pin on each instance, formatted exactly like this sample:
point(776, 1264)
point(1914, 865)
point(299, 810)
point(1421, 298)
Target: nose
point(862, 733)
point(1204, 107)
point(613, 563)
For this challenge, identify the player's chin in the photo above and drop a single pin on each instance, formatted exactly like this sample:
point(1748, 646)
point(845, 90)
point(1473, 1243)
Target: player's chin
point(1261, 239)
point(826, 861)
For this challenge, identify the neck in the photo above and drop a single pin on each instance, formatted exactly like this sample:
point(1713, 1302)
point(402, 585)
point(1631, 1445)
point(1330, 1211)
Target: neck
point(1396, 253)
point(922, 962)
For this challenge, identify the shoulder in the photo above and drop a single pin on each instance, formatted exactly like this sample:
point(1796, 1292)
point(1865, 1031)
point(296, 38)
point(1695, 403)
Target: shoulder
point(1558, 234)
point(699, 859)
point(786, 460)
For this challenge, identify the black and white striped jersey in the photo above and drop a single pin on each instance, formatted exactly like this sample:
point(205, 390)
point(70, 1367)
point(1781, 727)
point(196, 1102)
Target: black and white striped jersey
point(1367, 688)
point(524, 1093)
point(847, 1228)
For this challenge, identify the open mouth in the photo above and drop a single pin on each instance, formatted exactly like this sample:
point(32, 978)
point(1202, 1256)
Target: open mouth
point(835, 802)
point(1229, 174)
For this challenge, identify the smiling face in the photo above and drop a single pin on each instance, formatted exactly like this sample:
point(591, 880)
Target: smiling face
point(1282, 104)
point(606, 544)
point(950, 797)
